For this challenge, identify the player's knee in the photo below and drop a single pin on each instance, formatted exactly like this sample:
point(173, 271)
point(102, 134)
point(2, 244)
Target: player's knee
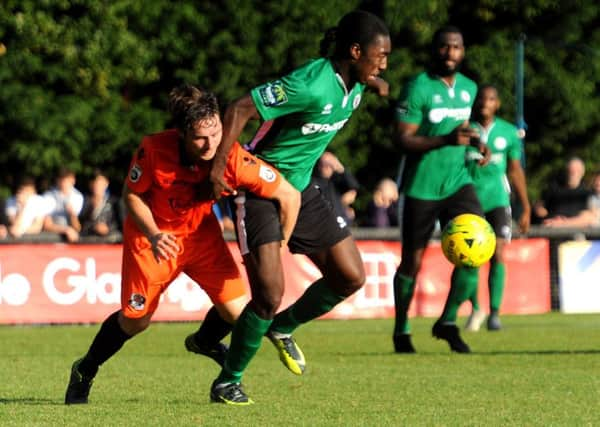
point(133, 326)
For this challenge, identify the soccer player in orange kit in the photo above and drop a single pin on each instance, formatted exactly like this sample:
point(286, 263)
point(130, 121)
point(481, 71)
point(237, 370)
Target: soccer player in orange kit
point(170, 228)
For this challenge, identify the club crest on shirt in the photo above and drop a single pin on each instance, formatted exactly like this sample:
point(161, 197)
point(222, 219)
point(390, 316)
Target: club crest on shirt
point(266, 173)
point(135, 173)
point(500, 143)
point(464, 95)
point(273, 94)
point(137, 302)
point(356, 101)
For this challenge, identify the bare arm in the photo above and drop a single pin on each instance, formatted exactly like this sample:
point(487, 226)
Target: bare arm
point(517, 178)
point(406, 136)
point(378, 85)
point(289, 203)
point(164, 245)
point(235, 119)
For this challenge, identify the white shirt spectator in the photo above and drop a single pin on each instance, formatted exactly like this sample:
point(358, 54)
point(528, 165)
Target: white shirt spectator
point(56, 204)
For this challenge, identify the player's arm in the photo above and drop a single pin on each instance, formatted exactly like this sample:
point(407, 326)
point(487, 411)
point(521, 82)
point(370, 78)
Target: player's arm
point(516, 175)
point(379, 86)
point(289, 207)
point(164, 245)
point(406, 136)
point(237, 115)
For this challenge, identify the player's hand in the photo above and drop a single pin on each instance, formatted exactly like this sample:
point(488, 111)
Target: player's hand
point(164, 246)
point(484, 150)
point(462, 135)
point(524, 221)
point(380, 86)
point(219, 186)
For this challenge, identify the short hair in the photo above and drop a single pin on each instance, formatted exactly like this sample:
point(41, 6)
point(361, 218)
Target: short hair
point(446, 29)
point(357, 26)
point(189, 104)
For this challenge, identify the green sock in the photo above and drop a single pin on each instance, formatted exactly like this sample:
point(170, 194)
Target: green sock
point(404, 288)
point(246, 338)
point(317, 300)
point(496, 281)
point(462, 285)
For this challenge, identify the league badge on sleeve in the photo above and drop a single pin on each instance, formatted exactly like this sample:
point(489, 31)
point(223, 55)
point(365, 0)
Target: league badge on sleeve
point(267, 173)
point(273, 94)
point(135, 173)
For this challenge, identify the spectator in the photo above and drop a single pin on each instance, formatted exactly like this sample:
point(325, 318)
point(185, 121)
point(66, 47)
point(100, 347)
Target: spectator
point(382, 210)
point(337, 184)
point(566, 198)
point(24, 211)
point(64, 203)
point(99, 215)
point(588, 217)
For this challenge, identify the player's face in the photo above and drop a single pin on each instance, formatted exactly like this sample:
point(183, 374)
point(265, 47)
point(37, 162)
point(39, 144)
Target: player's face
point(373, 60)
point(202, 142)
point(449, 52)
point(487, 103)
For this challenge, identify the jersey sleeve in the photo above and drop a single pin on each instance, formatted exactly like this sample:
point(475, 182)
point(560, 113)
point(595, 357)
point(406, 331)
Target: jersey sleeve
point(515, 145)
point(281, 97)
point(409, 108)
point(139, 178)
point(247, 171)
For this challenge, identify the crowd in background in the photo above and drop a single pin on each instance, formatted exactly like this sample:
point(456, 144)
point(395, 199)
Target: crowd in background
point(73, 215)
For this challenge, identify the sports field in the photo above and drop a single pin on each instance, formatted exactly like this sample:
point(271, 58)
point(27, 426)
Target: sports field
point(541, 370)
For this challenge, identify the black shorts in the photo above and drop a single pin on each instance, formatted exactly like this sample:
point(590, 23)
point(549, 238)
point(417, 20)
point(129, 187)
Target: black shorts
point(501, 221)
point(318, 227)
point(419, 216)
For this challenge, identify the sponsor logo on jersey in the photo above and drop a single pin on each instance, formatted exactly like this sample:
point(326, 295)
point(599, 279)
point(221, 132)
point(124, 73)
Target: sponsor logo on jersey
point(327, 109)
point(436, 115)
point(464, 95)
point(135, 173)
point(356, 101)
point(310, 128)
point(500, 143)
point(273, 94)
point(137, 302)
point(266, 173)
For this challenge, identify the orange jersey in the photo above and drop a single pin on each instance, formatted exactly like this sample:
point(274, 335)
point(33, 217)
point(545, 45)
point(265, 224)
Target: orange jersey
point(177, 192)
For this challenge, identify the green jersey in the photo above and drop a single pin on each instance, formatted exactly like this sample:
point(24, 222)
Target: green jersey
point(491, 183)
point(438, 109)
point(302, 111)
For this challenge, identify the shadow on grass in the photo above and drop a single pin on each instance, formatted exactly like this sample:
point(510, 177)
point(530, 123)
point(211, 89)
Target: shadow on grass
point(473, 353)
point(30, 401)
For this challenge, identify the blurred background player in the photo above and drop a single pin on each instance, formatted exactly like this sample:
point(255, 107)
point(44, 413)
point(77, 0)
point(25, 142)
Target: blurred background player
point(170, 228)
point(302, 112)
point(382, 209)
point(493, 190)
point(432, 131)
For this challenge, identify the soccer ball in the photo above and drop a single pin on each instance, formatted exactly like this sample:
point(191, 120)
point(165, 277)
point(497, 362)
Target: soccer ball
point(468, 240)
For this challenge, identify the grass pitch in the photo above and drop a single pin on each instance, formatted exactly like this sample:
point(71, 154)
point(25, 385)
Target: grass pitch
point(540, 370)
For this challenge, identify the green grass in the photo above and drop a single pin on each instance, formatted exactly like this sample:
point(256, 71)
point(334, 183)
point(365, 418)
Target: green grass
point(540, 370)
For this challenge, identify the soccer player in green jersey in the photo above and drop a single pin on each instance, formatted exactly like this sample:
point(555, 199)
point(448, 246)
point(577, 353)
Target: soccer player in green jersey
point(301, 113)
point(493, 190)
point(432, 129)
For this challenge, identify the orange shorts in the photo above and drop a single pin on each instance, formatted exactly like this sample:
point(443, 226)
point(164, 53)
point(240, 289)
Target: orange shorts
point(203, 256)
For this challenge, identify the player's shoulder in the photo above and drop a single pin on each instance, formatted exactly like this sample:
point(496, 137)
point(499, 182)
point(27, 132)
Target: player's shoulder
point(466, 82)
point(164, 140)
point(506, 126)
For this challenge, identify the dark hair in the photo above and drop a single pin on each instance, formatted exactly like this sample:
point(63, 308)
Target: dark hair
point(189, 104)
point(355, 27)
point(446, 29)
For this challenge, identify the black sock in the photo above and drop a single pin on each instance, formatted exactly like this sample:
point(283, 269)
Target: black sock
point(107, 342)
point(212, 330)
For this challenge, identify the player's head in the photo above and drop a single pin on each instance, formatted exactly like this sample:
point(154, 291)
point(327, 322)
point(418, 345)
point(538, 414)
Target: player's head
point(448, 50)
point(363, 40)
point(195, 114)
point(486, 103)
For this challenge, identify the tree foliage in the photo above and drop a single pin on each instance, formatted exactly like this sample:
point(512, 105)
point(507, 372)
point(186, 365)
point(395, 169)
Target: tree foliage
point(82, 80)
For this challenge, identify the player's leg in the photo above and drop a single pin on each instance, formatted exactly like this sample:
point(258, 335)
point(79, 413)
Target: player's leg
point(208, 261)
point(139, 300)
point(418, 223)
point(500, 219)
point(328, 243)
point(260, 243)
point(464, 280)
